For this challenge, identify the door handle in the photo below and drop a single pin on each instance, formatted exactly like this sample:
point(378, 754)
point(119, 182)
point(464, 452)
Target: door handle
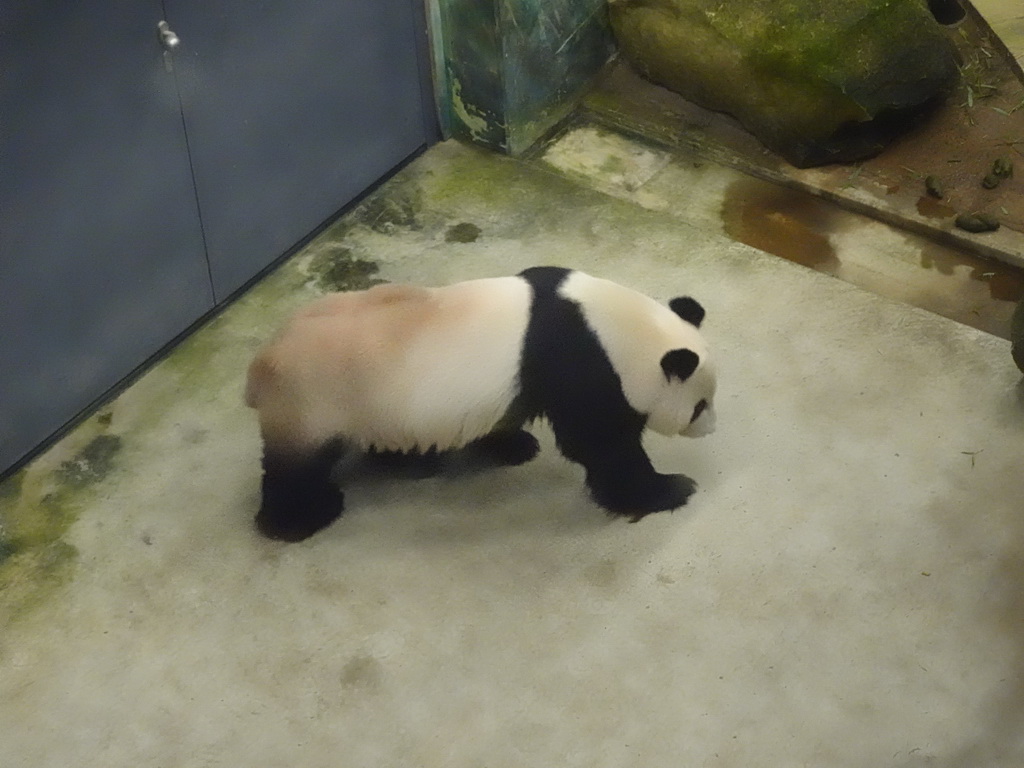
point(168, 39)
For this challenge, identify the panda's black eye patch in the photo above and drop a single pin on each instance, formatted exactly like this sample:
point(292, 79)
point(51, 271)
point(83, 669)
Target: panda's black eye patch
point(698, 410)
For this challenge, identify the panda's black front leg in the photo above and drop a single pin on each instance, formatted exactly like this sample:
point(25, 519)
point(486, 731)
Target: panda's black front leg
point(658, 493)
point(299, 497)
point(624, 482)
point(620, 475)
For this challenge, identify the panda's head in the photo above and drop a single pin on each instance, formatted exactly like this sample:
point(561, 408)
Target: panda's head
point(636, 333)
point(684, 404)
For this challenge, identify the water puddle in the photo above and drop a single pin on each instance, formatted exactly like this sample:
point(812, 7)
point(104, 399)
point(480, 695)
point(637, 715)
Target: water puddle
point(785, 222)
point(934, 209)
point(817, 234)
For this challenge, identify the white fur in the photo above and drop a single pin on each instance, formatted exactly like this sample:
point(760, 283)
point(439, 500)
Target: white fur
point(394, 367)
point(636, 331)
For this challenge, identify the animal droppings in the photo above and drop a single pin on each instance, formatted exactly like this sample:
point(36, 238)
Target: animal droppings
point(1002, 168)
point(977, 222)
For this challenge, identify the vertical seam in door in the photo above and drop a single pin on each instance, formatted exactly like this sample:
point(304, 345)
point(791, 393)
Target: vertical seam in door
point(195, 193)
point(192, 172)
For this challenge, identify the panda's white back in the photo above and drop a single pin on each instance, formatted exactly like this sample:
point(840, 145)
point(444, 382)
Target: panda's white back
point(395, 367)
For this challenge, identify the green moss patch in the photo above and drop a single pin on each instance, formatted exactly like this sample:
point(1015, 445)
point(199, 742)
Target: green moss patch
point(340, 270)
point(34, 560)
point(37, 507)
point(7, 550)
point(92, 463)
point(464, 232)
point(386, 212)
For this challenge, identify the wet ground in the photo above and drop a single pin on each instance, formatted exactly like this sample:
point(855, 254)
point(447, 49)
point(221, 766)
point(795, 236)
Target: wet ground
point(807, 230)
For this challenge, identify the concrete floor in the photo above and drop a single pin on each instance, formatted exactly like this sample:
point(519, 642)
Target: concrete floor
point(845, 589)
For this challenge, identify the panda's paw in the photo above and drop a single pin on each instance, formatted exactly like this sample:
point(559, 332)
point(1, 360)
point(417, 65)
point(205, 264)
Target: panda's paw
point(659, 493)
point(301, 519)
point(503, 449)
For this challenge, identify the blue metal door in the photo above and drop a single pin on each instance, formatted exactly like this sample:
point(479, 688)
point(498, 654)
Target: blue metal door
point(292, 107)
point(273, 114)
point(101, 252)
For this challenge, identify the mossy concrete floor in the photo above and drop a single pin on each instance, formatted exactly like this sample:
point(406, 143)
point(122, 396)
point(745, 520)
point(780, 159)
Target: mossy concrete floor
point(845, 589)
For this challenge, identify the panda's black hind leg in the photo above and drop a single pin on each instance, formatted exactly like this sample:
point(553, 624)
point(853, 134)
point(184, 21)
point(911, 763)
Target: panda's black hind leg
point(299, 497)
point(503, 449)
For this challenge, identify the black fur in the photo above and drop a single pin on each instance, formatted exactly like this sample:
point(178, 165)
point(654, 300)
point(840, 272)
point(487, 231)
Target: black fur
point(567, 377)
point(680, 363)
point(688, 309)
point(299, 497)
point(505, 448)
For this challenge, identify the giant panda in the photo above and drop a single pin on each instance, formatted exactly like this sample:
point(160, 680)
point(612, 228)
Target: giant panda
point(403, 370)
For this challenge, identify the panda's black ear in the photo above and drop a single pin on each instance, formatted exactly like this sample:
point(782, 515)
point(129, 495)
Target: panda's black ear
point(680, 363)
point(688, 309)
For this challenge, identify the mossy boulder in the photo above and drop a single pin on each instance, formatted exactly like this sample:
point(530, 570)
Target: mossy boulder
point(818, 81)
